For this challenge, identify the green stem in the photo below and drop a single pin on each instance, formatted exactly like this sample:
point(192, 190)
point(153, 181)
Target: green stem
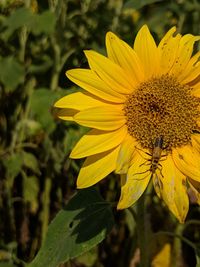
point(143, 229)
point(23, 40)
point(19, 131)
point(23, 37)
point(178, 236)
point(177, 245)
point(46, 204)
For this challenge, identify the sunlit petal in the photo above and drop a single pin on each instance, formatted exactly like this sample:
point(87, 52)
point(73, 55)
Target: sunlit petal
point(196, 90)
point(196, 142)
point(184, 54)
point(97, 167)
point(147, 51)
point(136, 181)
point(97, 141)
point(107, 118)
point(91, 82)
point(171, 187)
point(187, 160)
point(112, 74)
point(168, 47)
point(123, 55)
point(72, 101)
point(192, 70)
point(125, 154)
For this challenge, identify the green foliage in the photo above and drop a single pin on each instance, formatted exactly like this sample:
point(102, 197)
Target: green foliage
point(31, 191)
point(6, 264)
point(36, 23)
point(137, 4)
point(82, 224)
point(31, 162)
point(17, 19)
point(44, 23)
point(12, 73)
point(41, 102)
point(13, 164)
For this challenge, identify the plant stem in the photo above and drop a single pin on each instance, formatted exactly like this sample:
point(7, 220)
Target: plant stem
point(143, 230)
point(179, 236)
point(46, 206)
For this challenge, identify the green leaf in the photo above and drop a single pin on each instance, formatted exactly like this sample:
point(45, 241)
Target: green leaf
point(20, 17)
point(41, 103)
point(137, 4)
point(12, 73)
point(31, 127)
point(37, 23)
point(13, 164)
point(30, 191)
point(44, 23)
point(81, 225)
point(31, 162)
point(7, 264)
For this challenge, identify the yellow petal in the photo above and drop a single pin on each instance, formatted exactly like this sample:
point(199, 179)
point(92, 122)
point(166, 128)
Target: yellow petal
point(97, 141)
point(195, 187)
point(137, 180)
point(184, 53)
point(122, 179)
point(78, 101)
point(91, 82)
point(163, 257)
point(196, 90)
point(196, 141)
point(172, 188)
point(168, 47)
point(107, 118)
point(125, 154)
point(147, 51)
point(66, 114)
point(192, 70)
point(112, 74)
point(187, 160)
point(97, 167)
point(123, 55)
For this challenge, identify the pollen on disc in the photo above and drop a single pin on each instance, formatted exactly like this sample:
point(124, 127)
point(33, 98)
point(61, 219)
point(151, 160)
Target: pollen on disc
point(162, 106)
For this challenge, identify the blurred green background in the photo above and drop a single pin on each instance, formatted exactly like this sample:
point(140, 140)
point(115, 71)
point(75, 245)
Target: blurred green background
point(39, 41)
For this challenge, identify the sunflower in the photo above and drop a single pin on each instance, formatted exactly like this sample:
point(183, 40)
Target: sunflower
point(142, 104)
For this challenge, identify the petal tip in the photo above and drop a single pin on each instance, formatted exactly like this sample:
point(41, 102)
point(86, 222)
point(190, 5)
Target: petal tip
point(69, 73)
point(120, 206)
point(71, 155)
point(144, 28)
point(88, 52)
point(56, 104)
point(110, 35)
point(80, 185)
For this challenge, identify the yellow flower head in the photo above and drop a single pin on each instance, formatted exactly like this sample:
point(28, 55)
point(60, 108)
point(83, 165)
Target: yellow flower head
point(143, 106)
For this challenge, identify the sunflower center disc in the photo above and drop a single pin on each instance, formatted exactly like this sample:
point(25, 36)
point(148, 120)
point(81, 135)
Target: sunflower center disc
point(162, 107)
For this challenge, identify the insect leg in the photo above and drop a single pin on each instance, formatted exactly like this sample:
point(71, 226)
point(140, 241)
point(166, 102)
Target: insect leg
point(158, 185)
point(146, 163)
point(139, 179)
point(160, 169)
point(143, 151)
